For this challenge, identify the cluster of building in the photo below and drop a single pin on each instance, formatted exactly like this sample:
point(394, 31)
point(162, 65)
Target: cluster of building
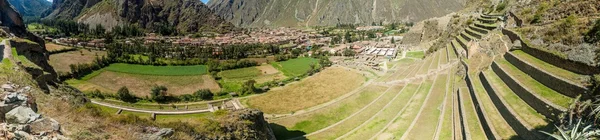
point(369, 48)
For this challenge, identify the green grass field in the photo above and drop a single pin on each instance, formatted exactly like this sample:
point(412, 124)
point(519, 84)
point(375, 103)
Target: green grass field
point(243, 73)
point(427, 122)
point(416, 54)
point(549, 67)
point(295, 67)
point(158, 70)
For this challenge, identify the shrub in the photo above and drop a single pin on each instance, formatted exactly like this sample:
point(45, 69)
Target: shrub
point(204, 94)
point(159, 93)
point(593, 36)
point(125, 96)
point(501, 6)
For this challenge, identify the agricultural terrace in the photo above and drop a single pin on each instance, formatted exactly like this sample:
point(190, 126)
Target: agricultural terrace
point(232, 80)
point(320, 88)
point(295, 67)
point(61, 61)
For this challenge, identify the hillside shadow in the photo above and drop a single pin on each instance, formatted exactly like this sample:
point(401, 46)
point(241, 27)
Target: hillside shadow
point(283, 133)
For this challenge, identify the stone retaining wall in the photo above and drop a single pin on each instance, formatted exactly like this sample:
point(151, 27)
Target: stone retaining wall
point(555, 60)
point(483, 31)
point(541, 105)
point(518, 20)
point(507, 113)
point(470, 32)
point(463, 35)
point(556, 83)
point(489, 131)
point(485, 27)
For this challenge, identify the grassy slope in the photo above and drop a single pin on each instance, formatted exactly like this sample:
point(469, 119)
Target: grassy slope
point(548, 67)
point(496, 120)
point(425, 126)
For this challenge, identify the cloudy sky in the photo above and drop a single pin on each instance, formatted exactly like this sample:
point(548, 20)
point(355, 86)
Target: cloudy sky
point(205, 1)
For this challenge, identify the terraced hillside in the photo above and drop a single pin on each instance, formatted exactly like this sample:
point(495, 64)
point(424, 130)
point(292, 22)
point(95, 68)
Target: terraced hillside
point(414, 99)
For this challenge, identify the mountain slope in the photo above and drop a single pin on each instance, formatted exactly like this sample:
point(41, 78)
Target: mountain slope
point(259, 13)
point(30, 8)
point(187, 16)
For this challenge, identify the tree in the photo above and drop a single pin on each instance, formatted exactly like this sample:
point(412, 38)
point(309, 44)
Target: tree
point(349, 52)
point(125, 96)
point(204, 94)
point(159, 93)
point(348, 37)
point(393, 40)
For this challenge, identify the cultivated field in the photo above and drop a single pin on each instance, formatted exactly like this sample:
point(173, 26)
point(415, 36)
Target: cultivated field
point(61, 61)
point(232, 80)
point(295, 67)
point(320, 88)
point(158, 70)
point(55, 47)
point(140, 85)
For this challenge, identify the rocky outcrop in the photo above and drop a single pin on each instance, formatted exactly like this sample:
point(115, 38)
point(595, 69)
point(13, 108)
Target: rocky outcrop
point(18, 112)
point(9, 17)
point(242, 124)
point(187, 16)
point(30, 8)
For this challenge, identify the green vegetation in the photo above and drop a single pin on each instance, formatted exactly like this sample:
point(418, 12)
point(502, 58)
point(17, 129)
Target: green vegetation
point(549, 67)
point(416, 54)
point(534, 85)
point(295, 67)
point(158, 70)
point(513, 101)
point(425, 126)
point(497, 121)
point(593, 35)
point(243, 73)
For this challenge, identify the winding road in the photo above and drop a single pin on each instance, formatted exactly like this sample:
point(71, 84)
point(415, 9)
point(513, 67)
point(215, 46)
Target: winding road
point(151, 111)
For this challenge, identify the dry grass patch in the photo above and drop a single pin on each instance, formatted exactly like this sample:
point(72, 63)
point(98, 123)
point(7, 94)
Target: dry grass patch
point(425, 126)
point(140, 85)
point(323, 87)
point(54, 47)
point(61, 61)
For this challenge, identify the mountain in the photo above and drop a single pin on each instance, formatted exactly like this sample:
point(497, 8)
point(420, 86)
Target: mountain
point(260, 13)
point(187, 16)
point(30, 8)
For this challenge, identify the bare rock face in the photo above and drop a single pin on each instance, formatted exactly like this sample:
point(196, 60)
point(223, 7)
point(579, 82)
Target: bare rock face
point(9, 17)
point(242, 124)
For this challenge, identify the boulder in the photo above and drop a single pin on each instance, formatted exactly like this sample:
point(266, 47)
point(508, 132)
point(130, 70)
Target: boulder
point(44, 125)
point(14, 97)
point(21, 115)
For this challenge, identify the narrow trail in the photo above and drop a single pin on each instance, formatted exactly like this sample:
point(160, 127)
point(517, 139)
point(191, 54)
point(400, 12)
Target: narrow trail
point(416, 77)
point(6, 50)
point(412, 125)
point(155, 112)
point(314, 12)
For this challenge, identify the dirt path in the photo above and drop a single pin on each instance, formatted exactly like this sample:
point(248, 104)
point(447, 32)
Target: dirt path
point(7, 53)
point(152, 112)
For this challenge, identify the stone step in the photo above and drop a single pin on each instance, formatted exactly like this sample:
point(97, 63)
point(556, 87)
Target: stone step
point(494, 124)
point(486, 26)
point(473, 33)
point(478, 29)
point(487, 20)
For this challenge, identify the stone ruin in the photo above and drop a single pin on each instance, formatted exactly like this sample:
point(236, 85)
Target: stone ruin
point(19, 117)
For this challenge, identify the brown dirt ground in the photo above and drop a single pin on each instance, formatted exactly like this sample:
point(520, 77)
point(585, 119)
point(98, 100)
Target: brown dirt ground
point(53, 47)
point(61, 61)
point(140, 85)
point(267, 69)
point(323, 87)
